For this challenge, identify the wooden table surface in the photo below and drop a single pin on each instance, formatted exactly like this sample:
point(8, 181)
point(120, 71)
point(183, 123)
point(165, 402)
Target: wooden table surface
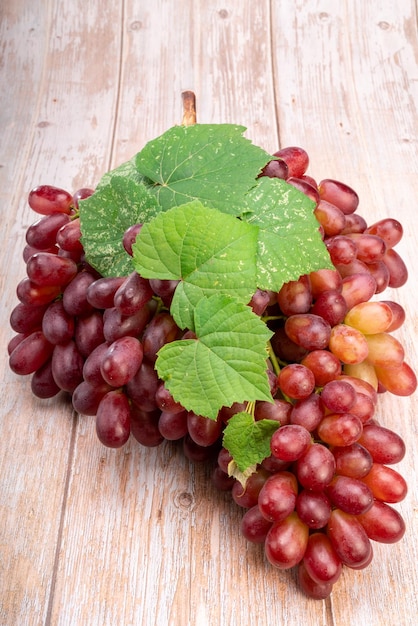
point(96, 537)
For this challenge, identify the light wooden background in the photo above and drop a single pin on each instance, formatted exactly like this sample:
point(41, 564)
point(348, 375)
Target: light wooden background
point(95, 537)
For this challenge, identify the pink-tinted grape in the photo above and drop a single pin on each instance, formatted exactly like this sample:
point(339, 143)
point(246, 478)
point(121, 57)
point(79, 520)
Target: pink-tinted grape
point(398, 315)
point(47, 270)
point(354, 460)
point(142, 388)
point(289, 442)
point(286, 542)
point(348, 538)
point(47, 199)
point(342, 249)
point(331, 218)
point(382, 523)
point(348, 344)
point(305, 187)
point(324, 280)
point(385, 446)
point(67, 366)
point(313, 508)
point(173, 426)
point(308, 412)
point(87, 397)
point(309, 331)
point(324, 365)
point(296, 381)
point(296, 159)
point(254, 525)
point(358, 287)
point(349, 494)
point(133, 294)
point(331, 306)
point(161, 329)
point(295, 296)
point(101, 292)
point(311, 588)
point(400, 380)
point(202, 430)
point(247, 496)
point(88, 332)
point(398, 271)
point(315, 468)
point(81, 194)
point(320, 559)
point(260, 301)
point(121, 361)
point(42, 234)
point(340, 429)
point(370, 317)
point(129, 237)
point(36, 295)
point(57, 325)
point(165, 400)
point(144, 427)
point(338, 396)
point(43, 384)
point(278, 410)
point(26, 318)
point(116, 325)
point(340, 194)
point(68, 237)
point(275, 169)
point(113, 419)
point(354, 223)
point(92, 365)
point(389, 229)
point(30, 354)
point(277, 497)
point(75, 295)
point(386, 483)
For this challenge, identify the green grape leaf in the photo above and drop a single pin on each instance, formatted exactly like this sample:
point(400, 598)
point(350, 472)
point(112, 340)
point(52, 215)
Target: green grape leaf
point(225, 364)
point(289, 243)
point(118, 202)
point(248, 442)
point(208, 251)
point(212, 163)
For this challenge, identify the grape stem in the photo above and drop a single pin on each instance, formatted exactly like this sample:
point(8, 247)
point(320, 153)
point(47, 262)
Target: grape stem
point(189, 108)
point(273, 359)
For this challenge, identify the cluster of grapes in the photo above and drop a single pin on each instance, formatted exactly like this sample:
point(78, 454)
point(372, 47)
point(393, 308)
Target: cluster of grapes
point(325, 491)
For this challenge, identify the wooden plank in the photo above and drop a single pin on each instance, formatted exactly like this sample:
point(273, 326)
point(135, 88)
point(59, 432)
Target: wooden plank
point(352, 102)
point(140, 536)
point(52, 132)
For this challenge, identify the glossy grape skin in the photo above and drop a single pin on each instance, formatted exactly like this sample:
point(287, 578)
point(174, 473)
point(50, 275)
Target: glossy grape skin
point(69, 235)
point(101, 292)
point(286, 542)
point(276, 168)
point(57, 325)
point(67, 366)
point(165, 400)
point(308, 412)
point(277, 497)
point(385, 350)
point(278, 410)
point(338, 396)
point(47, 199)
point(354, 460)
point(26, 318)
point(289, 442)
point(254, 526)
point(370, 248)
point(350, 494)
point(296, 159)
point(382, 523)
point(87, 397)
point(385, 446)
point(203, 431)
point(313, 508)
point(386, 483)
point(161, 329)
point(173, 426)
point(309, 331)
point(296, 381)
point(358, 287)
point(248, 497)
point(320, 559)
point(305, 187)
point(144, 427)
point(121, 361)
point(370, 317)
point(400, 380)
point(340, 194)
point(316, 467)
point(43, 384)
point(349, 539)
point(324, 365)
point(340, 429)
point(75, 295)
point(129, 237)
point(324, 280)
point(30, 354)
point(88, 333)
point(132, 294)
point(398, 272)
point(116, 325)
point(398, 315)
point(331, 218)
point(348, 344)
point(113, 419)
point(143, 386)
point(389, 229)
point(49, 270)
point(311, 588)
point(42, 234)
point(295, 296)
point(331, 306)
point(342, 249)
point(92, 365)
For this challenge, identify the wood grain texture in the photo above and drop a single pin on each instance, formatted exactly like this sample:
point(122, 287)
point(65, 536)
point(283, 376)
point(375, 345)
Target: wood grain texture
point(91, 536)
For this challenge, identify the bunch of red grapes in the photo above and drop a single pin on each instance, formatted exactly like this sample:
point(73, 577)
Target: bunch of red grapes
point(325, 493)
